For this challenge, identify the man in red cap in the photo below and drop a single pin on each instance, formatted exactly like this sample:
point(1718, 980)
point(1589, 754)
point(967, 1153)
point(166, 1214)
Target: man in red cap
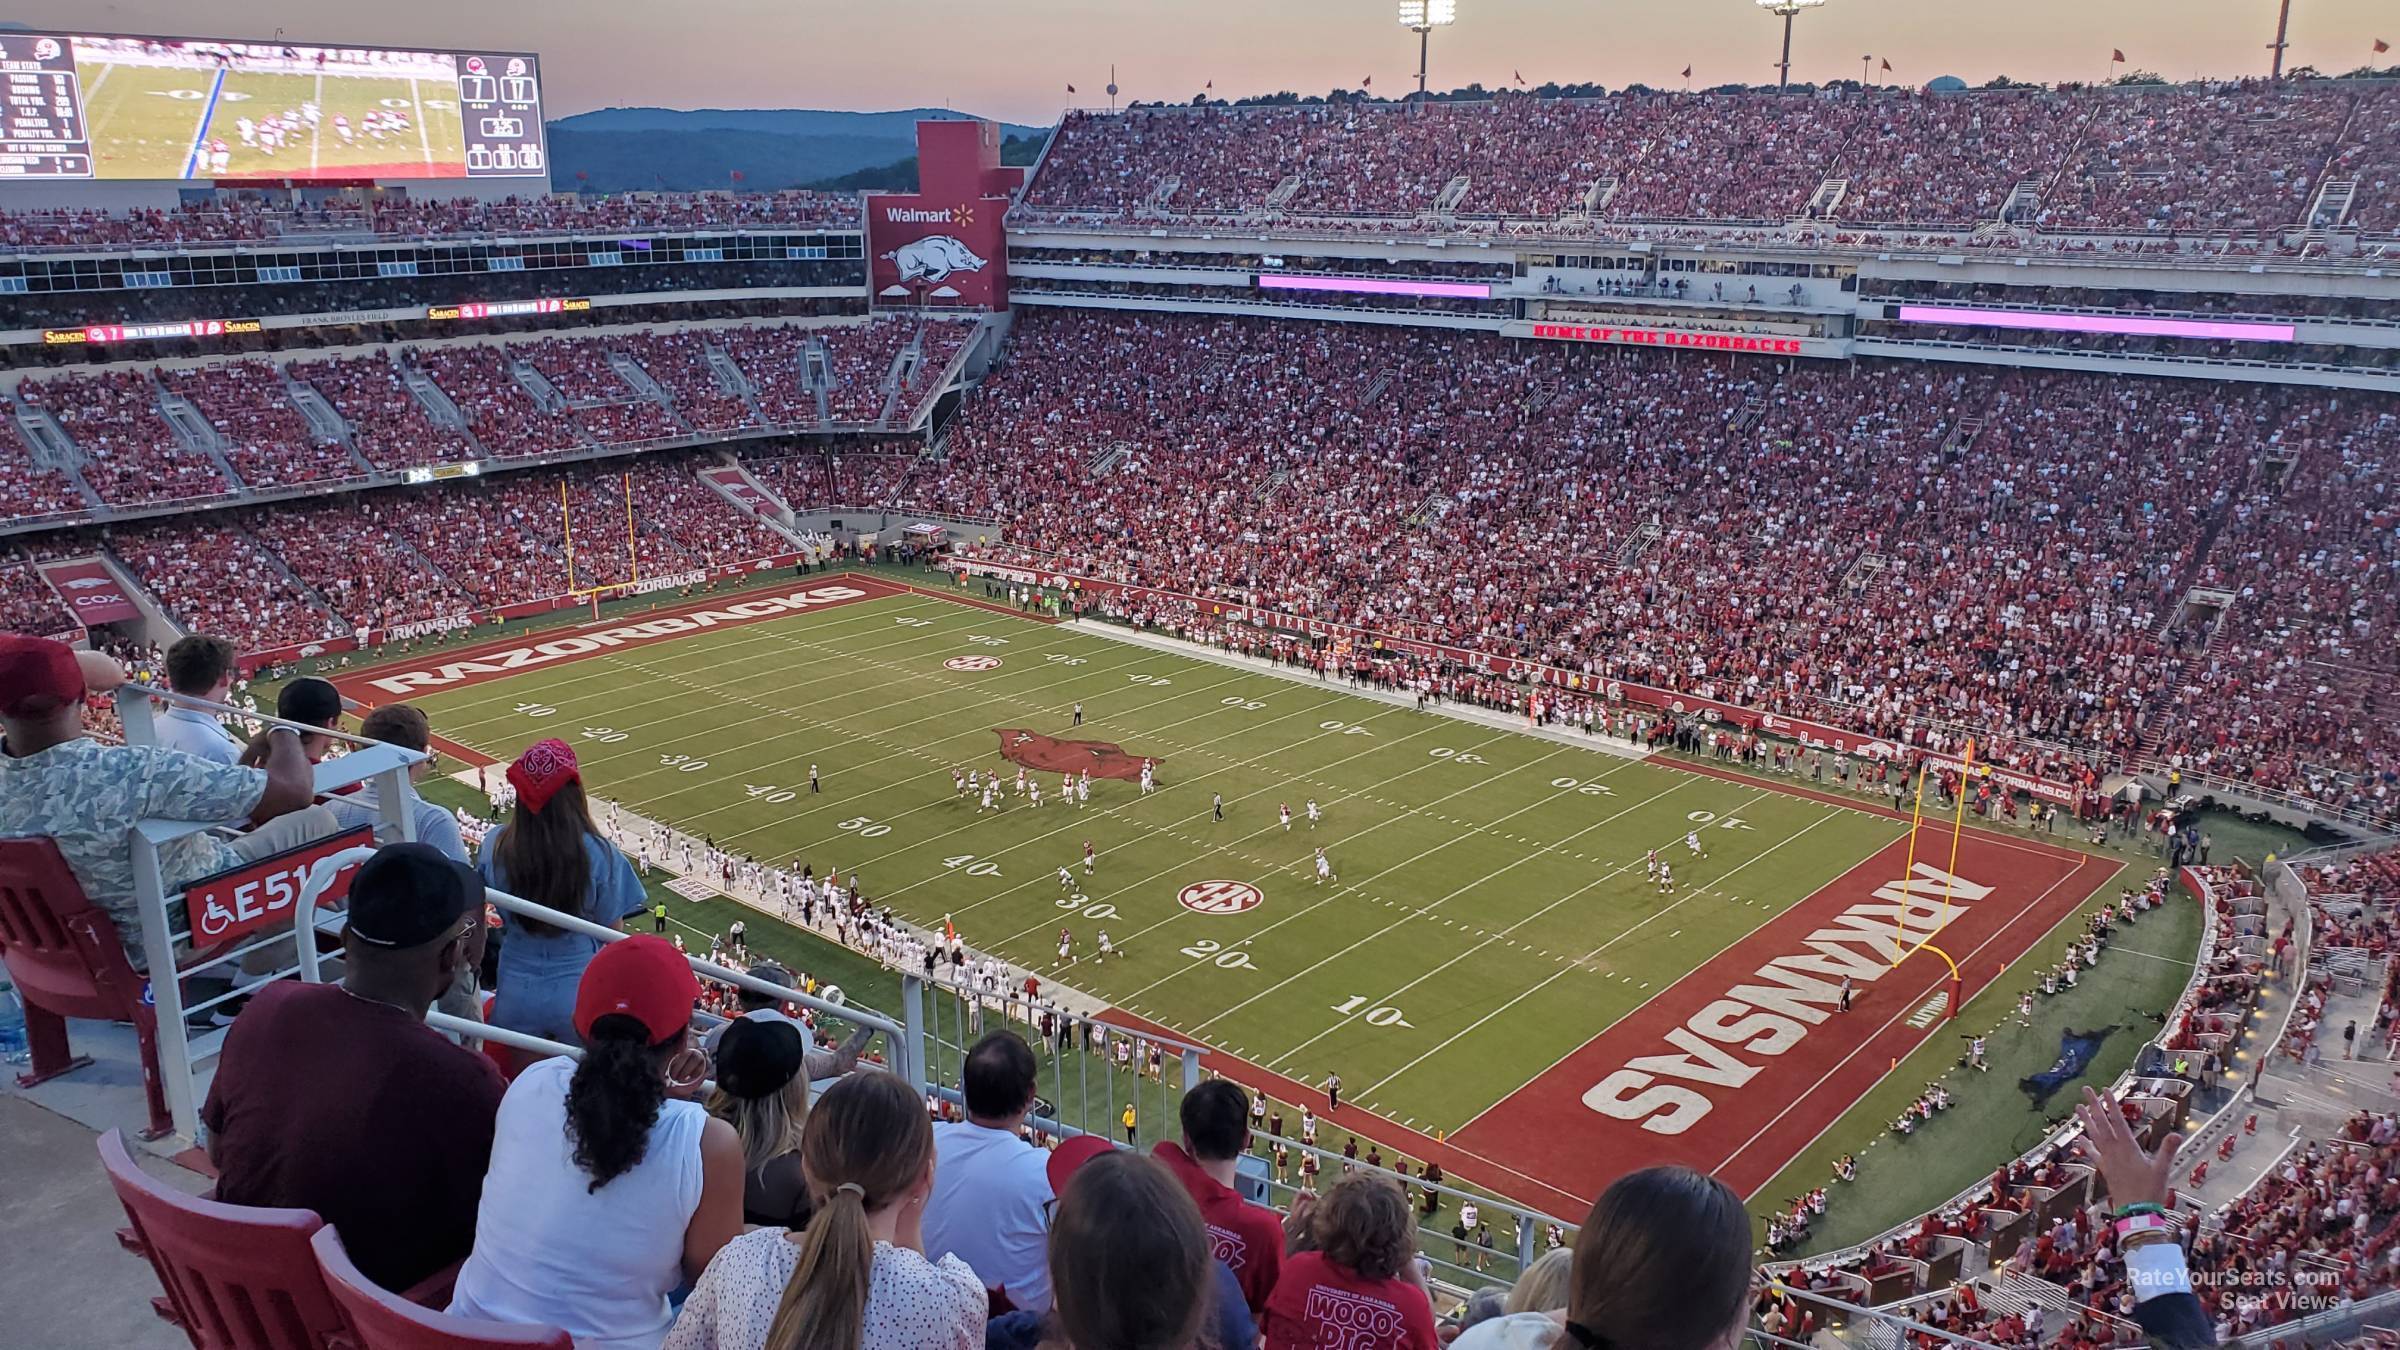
point(86, 796)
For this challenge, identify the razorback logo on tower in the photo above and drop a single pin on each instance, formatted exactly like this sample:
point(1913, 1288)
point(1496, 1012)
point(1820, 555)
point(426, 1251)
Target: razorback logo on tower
point(935, 253)
point(941, 247)
point(1037, 751)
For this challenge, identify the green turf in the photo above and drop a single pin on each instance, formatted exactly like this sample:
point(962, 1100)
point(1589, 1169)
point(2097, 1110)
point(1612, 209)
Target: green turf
point(1468, 879)
point(144, 120)
point(1489, 891)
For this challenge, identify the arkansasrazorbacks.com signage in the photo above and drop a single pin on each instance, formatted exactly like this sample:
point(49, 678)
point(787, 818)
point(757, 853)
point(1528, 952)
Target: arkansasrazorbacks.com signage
point(235, 904)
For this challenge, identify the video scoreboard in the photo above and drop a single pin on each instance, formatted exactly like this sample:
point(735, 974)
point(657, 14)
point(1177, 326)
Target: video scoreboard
point(103, 106)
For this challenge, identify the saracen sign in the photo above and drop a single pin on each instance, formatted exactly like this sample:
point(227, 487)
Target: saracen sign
point(235, 904)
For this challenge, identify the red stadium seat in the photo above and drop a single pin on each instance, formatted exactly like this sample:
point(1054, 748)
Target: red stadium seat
point(376, 1319)
point(66, 958)
point(236, 1278)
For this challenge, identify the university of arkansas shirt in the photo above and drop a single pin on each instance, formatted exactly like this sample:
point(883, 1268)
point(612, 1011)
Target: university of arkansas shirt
point(1248, 1238)
point(1318, 1305)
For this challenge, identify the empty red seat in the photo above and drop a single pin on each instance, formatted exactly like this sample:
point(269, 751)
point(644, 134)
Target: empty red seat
point(67, 960)
point(379, 1320)
point(236, 1278)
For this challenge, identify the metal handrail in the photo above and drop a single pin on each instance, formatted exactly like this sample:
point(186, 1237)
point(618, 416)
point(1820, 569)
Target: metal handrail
point(321, 875)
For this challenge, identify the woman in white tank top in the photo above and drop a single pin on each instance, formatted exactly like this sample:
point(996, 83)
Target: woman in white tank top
point(609, 1187)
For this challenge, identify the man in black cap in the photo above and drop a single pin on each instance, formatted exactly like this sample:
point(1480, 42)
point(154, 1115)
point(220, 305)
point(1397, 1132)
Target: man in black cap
point(338, 1098)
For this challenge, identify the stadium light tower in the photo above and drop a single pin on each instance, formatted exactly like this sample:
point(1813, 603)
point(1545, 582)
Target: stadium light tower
point(1789, 10)
point(1421, 17)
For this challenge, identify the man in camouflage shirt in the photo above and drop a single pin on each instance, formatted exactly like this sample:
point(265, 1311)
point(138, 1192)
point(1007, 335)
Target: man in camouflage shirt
point(87, 796)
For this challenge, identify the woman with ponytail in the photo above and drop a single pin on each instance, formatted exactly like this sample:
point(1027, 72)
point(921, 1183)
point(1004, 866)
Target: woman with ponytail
point(551, 853)
point(609, 1186)
point(858, 1278)
point(1662, 1263)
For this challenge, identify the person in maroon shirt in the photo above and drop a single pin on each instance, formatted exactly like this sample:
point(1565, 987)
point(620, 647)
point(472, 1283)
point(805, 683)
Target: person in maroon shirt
point(338, 1098)
point(1359, 1288)
point(1248, 1238)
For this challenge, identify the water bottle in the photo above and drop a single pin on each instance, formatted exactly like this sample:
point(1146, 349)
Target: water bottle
point(13, 1047)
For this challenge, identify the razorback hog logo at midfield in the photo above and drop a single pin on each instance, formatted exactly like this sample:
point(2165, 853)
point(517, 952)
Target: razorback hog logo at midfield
point(1051, 755)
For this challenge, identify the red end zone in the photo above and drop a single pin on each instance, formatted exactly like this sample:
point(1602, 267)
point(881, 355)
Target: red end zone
point(440, 670)
point(1738, 1066)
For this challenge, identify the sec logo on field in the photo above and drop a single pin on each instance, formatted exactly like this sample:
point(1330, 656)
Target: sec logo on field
point(1220, 897)
point(972, 663)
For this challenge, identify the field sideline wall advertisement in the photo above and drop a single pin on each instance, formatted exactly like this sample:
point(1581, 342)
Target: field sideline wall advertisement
point(1814, 734)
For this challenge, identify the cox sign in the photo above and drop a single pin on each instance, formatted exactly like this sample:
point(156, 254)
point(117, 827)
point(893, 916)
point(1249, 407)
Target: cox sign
point(235, 904)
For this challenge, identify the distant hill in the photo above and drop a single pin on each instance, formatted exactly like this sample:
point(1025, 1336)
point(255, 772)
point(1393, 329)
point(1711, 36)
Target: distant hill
point(634, 149)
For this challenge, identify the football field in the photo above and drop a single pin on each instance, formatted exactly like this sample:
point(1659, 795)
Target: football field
point(1490, 960)
point(150, 121)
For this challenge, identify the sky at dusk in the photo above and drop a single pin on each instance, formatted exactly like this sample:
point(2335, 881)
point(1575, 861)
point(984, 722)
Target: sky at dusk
point(1014, 58)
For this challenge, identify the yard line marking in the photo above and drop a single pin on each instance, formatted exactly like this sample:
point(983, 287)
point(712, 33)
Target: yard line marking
point(316, 129)
point(1169, 829)
point(198, 157)
point(1354, 888)
point(1270, 870)
point(1503, 934)
point(1554, 978)
point(416, 100)
point(772, 645)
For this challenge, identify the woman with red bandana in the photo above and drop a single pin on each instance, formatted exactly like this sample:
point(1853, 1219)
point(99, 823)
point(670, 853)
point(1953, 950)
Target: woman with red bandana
point(550, 852)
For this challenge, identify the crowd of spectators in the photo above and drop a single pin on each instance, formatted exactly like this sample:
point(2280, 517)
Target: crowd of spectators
point(239, 219)
point(2240, 159)
point(393, 430)
point(214, 577)
point(267, 440)
point(1885, 547)
point(130, 455)
point(1913, 551)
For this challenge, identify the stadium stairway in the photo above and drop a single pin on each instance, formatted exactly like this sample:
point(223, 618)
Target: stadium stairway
point(747, 494)
point(192, 428)
point(638, 379)
point(66, 1281)
point(323, 422)
point(299, 583)
point(731, 379)
point(51, 448)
